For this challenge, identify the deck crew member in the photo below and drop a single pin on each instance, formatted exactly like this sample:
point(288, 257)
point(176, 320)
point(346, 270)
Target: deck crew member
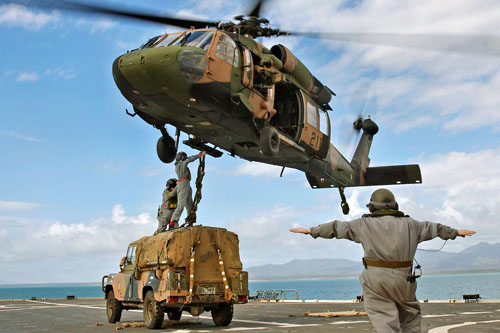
point(168, 205)
point(389, 239)
point(184, 191)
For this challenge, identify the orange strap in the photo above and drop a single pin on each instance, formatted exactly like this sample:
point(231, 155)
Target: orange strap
point(387, 264)
point(181, 180)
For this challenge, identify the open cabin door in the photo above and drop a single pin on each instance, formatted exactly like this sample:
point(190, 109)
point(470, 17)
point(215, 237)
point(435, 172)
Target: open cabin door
point(315, 134)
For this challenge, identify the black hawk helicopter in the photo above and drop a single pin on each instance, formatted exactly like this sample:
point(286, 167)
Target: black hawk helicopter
point(216, 83)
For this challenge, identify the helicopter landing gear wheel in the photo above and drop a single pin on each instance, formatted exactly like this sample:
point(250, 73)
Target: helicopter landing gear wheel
point(166, 150)
point(269, 141)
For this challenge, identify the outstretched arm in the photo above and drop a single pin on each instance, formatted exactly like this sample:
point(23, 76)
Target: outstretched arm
point(463, 233)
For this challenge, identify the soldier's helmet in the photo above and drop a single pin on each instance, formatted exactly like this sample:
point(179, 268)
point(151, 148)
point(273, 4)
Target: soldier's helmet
point(181, 156)
point(382, 199)
point(171, 182)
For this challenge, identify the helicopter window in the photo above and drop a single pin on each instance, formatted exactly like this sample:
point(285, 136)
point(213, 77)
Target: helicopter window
point(247, 68)
point(131, 255)
point(200, 39)
point(150, 42)
point(312, 115)
point(168, 39)
point(226, 50)
point(323, 122)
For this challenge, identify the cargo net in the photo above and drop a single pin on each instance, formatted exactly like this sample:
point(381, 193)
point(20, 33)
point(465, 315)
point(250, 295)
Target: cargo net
point(191, 218)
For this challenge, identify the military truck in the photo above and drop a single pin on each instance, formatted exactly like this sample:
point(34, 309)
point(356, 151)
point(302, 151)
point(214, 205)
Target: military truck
point(193, 269)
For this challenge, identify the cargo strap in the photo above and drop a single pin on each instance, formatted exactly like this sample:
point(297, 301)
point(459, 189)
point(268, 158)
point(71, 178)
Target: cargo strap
point(191, 266)
point(191, 218)
point(387, 264)
point(228, 294)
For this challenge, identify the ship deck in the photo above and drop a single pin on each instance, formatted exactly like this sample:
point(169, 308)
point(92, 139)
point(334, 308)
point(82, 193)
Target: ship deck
point(84, 315)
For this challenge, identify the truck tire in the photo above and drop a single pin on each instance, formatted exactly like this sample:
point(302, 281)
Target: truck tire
point(153, 311)
point(113, 308)
point(269, 141)
point(223, 314)
point(174, 314)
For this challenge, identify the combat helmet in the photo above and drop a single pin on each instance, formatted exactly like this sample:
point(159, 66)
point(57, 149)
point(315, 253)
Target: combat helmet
point(171, 183)
point(382, 199)
point(181, 156)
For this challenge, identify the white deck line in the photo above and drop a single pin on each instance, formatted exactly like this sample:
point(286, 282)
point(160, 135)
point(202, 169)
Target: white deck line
point(445, 329)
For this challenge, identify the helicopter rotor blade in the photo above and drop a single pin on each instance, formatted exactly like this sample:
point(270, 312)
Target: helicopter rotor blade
point(255, 12)
point(137, 15)
point(480, 44)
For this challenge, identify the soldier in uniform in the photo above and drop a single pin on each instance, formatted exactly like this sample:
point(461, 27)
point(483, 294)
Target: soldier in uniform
point(168, 205)
point(184, 191)
point(389, 239)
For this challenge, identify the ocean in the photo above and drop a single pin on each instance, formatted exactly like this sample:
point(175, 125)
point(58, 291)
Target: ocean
point(430, 287)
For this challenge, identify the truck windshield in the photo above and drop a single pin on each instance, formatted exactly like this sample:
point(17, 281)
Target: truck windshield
point(199, 39)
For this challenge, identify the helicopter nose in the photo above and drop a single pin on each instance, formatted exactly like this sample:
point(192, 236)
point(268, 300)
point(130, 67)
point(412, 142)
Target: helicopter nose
point(147, 72)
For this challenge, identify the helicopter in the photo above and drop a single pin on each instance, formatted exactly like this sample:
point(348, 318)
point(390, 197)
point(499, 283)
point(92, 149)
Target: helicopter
point(228, 92)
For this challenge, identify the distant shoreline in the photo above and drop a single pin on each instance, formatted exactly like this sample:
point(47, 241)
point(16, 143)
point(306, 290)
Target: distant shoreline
point(258, 280)
point(481, 271)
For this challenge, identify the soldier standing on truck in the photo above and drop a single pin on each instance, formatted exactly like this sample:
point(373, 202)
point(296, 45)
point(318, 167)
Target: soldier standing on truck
point(184, 191)
point(168, 205)
point(390, 239)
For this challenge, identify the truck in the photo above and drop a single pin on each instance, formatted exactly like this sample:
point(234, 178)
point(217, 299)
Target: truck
point(193, 269)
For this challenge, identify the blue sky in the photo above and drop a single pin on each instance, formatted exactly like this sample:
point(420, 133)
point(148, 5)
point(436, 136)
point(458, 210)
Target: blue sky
point(79, 179)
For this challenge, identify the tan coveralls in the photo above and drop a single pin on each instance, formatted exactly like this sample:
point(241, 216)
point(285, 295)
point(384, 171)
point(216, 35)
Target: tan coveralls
point(184, 191)
point(168, 205)
point(389, 298)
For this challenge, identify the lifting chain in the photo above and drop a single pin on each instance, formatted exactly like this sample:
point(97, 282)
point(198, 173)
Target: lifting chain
point(191, 219)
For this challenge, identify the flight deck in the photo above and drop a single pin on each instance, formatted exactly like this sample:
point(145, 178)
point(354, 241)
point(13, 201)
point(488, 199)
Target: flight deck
point(89, 315)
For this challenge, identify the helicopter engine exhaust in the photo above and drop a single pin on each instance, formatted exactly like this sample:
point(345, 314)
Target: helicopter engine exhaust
point(321, 94)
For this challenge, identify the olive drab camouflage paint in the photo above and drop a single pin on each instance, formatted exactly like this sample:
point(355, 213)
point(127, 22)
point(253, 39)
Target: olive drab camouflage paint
point(261, 104)
point(192, 269)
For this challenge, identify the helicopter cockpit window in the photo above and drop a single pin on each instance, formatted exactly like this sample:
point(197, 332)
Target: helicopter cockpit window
point(200, 39)
point(312, 115)
point(150, 42)
point(324, 122)
point(167, 39)
point(226, 50)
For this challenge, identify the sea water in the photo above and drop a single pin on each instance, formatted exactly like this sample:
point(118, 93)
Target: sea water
point(432, 287)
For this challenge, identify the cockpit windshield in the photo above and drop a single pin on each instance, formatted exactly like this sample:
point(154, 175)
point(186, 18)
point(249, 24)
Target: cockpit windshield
point(167, 39)
point(150, 42)
point(199, 39)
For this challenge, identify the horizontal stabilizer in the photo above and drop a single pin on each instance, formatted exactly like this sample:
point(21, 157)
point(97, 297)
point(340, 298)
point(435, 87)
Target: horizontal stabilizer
point(393, 175)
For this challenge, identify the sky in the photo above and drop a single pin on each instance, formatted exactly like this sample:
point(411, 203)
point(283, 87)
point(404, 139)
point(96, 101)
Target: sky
point(80, 180)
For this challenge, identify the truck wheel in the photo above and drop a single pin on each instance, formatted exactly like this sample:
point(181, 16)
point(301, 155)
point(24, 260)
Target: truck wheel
point(153, 311)
point(113, 308)
point(174, 314)
point(269, 141)
point(223, 314)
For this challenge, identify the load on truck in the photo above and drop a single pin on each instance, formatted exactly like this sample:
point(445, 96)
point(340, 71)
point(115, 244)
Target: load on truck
point(193, 269)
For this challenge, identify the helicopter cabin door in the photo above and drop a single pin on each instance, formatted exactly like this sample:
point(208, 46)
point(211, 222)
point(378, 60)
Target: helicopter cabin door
point(315, 134)
point(222, 56)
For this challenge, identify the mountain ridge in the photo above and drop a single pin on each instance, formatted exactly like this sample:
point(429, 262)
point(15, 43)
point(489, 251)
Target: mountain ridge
point(480, 257)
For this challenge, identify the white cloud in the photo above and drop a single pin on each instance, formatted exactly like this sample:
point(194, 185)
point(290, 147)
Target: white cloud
point(56, 73)
point(256, 169)
point(415, 87)
point(28, 77)
point(96, 26)
point(20, 16)
point(18, 205)
point(19, 136)
point(55, 239)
